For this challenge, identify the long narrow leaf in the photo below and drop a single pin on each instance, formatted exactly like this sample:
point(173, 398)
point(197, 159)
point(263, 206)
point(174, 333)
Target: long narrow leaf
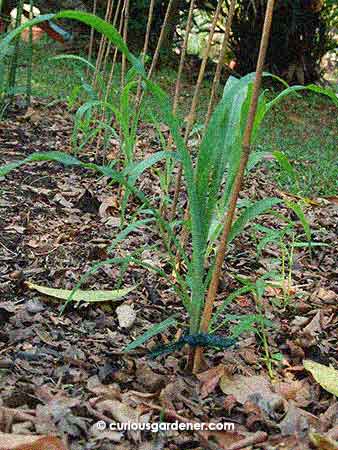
point(153, 331)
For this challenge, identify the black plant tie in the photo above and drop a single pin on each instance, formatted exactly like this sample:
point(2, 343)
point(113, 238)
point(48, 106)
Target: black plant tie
point(194, 340)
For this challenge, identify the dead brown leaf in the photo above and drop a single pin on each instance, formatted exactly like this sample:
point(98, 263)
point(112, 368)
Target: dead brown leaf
point(210, 379)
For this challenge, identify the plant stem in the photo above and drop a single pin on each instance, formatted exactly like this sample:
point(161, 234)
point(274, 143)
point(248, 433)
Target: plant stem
point(212, 291)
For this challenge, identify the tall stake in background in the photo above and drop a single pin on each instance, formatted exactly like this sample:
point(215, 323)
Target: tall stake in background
point(125, 37)
point(217, 77)
point(145, 49)
point(246, 147)
point(192, 113)
point(14, 58)
point(30, 58)
point(92, 33)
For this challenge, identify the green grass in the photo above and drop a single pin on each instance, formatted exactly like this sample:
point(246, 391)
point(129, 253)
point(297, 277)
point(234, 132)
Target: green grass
point(303, 127)
point(305, 130)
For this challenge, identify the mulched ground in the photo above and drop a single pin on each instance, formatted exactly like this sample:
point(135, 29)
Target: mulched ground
point(59, 375)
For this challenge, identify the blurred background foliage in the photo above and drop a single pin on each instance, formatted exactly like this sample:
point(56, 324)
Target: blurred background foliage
point(303, 31)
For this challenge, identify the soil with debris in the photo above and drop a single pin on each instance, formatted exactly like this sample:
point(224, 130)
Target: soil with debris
point(64, 375)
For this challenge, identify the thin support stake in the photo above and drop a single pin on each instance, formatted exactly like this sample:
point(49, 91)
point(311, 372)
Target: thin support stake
point(145, 48)
point(30, 58)
point(103, 43)
point(92, 32)
point(192, 113)
point(246, 146)
point(217, 77)
point(125, 36)
point(117, 11)
point(160, 39)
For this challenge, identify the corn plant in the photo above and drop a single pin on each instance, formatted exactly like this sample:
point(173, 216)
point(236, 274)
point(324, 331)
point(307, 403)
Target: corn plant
point(208, 180)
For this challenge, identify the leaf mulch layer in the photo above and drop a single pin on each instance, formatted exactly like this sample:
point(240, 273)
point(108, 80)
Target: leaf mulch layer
point(60, 375)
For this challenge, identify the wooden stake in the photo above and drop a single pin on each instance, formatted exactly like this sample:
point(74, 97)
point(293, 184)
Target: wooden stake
point(160, 39)
point(30, 59)
point(212, 291)
point(14, 58)
point(217, 77)
point(111, 74)
point(103, 43)
point(117, 11)
point(192, 113)
point(158, 49)
point(182, 58)
point(92, 31)
point(125, 36)
point(187, 32)
point(145, 49)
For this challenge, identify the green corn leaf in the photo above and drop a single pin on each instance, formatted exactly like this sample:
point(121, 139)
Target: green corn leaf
point(254, 159)
point(227, 301)
point(129, 229)
point(312, 87)
point(83, 296)
point(297, 209)
point(63, 158)
point(251, 213)
point(134, 170)
point(285, 165)
point(153, 331)
point(74, 58)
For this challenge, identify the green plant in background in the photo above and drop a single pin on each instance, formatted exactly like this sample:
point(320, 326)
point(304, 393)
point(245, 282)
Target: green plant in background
point(254, 323)
point(286, 239)
point(208, 182)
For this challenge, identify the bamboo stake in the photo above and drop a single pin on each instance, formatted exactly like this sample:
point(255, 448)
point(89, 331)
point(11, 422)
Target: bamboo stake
point(110, 80)
point(92, 31)
point(111, 74)
point(160, 39)
point(158, 49)
point(217, 77)
point(179, 75)
point(192, 113)
point(145, 48)
point(117, 11)
point(14, 59)
point(212, 291)
point(182, 58)
point(30, 59)
point(125, 36)
point(103, 43)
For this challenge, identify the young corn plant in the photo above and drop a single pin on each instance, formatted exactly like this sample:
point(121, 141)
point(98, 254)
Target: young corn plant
point(208, 182)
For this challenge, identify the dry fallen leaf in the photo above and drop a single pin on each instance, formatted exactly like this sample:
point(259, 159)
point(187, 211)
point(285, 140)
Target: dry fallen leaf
point(256, 389)
point(322, 442)
point(28, 442)
point(210, 379)
point(326, 376)
point(126, 315)
point(84, 296)
point(297, 421)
